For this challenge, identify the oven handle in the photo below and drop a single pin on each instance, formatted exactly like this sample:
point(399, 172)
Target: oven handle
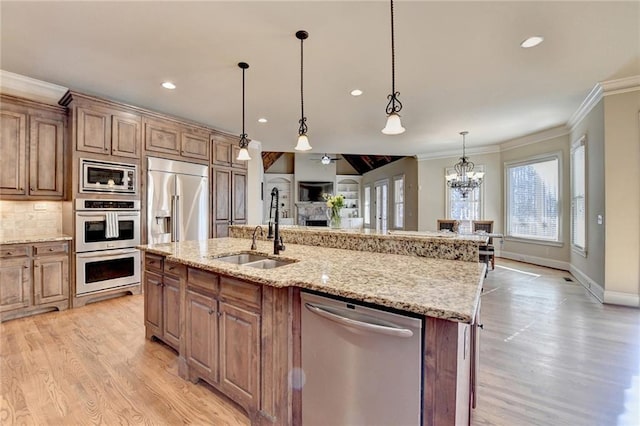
point(107, 253)
point(120, 214)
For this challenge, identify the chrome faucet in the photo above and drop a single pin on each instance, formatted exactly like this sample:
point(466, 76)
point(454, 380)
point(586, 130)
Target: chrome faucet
point(253, 239)
point(278, 244)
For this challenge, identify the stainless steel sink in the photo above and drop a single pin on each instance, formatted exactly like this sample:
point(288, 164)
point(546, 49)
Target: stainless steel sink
point(242, 258)
point(269, 263)
point(259, 261)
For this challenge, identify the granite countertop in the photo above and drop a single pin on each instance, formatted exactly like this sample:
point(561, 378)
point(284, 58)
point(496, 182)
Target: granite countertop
point(36, 239)
point(446, 289)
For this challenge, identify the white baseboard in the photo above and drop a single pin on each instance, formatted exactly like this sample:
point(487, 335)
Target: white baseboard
point(541, 261)
point(593, 287)
point(624, 299)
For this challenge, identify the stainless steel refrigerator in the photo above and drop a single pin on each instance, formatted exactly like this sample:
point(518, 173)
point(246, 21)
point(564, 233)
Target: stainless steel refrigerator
point(177, 201)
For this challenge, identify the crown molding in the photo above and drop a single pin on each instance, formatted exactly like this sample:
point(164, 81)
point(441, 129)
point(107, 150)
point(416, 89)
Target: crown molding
point(621, 85)
point(586, 106)
point(488, 149)
point(30, 88)
point(541, 136)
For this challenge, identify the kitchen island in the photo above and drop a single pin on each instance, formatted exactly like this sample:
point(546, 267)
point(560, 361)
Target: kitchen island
point(238, 327)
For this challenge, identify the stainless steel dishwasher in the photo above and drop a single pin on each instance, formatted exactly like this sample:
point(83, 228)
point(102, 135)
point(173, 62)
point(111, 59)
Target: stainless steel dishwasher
point(361, 366)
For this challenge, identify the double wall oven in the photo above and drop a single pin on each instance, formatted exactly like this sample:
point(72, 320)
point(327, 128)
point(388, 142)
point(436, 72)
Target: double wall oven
point(107, 232)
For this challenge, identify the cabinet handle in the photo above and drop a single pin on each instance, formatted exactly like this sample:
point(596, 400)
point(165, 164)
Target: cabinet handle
point(481, 326)
point(26, 266)
point(21, 188)
point(36, 266)
point(219, 314)
point(9, 253)
point(106, 149)
point(31, 188)
point(210, 311)
point(171, 268)
point(50, 249)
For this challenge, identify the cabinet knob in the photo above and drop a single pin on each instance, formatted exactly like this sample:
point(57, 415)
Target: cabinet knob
point(26, 266)
point(210, 311)
point(106, 149)
point(31, 188)
point(50, 249)
point(36, 266)
point(9, 253)
point(481, 326)
point(21, 188)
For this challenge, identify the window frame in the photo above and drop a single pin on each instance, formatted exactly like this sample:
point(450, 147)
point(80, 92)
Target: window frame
point(395, 201)
point(581, 143)
point(541, 158)
point(366, 207)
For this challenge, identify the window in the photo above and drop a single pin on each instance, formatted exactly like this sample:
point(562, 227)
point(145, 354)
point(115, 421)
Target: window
point(578, 196)
point(533, 199)
point(398, 202)
point(464, 209)
point(367, 205)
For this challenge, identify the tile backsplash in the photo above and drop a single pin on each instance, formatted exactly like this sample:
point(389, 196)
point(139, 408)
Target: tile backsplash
point(29, 218)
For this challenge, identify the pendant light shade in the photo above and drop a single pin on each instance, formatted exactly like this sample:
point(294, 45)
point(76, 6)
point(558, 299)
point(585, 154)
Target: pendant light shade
point(243, 155)
point(393, 126)
point(303, 140)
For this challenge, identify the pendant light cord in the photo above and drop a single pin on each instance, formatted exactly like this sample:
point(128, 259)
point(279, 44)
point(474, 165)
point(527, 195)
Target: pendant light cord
point(244, 135)
point(394, 105)
point(302, 35)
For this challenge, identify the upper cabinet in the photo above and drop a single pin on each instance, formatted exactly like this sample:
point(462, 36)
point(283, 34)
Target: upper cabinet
point(225, 150)
point(176, 139)
point(108, 131)
point(33, 145)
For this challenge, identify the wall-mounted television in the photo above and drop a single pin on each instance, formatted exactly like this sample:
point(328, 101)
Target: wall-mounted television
point(312, 191)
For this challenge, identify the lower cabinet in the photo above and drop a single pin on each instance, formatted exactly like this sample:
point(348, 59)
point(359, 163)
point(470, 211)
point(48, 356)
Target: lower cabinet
point(162, 299)
point(202, 336)
point(34, 278)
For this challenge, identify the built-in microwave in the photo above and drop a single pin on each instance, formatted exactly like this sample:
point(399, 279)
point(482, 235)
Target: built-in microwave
point(108, 177)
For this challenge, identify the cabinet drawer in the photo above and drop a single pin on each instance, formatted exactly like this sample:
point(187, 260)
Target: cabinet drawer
point(203, 279)
point(153, 262)
point(14, 251)
point(54, 248)
point(234, 289)
point(176, 269)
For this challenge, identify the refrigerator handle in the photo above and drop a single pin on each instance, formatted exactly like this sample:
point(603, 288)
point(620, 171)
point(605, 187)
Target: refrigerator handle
point(177, 217)
point(173, 218)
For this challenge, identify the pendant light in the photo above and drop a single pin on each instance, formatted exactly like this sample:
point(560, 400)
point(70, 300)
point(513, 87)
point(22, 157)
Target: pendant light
point(303, 140)
point(393, 126)
point(243, 155)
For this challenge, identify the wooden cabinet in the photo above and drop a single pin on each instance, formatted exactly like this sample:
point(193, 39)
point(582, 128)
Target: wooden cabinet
point(177, 139)
point(13, 162)
point(222, 329)
point(107, 131)
point(33, 278)
point(162, 281)
point(33, 145)
point(224, 151)
point(229, 200)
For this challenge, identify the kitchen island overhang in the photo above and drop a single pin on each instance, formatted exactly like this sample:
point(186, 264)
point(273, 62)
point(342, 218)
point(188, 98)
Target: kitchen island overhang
point(446, 292)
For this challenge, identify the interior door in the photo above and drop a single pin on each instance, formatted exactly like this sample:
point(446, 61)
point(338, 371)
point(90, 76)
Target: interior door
point(382, 205)
point(160, 192)
point(193, 210)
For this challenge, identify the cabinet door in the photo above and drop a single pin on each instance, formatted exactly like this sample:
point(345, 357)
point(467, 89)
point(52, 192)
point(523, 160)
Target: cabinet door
point(202, 335)
point(13, 161)
point(195, 145)
point(125, 134)
point(161, 137)
point(93, 131)
point(15, 284)
point(221, 152)
point(171, 311)
point(239, 353)
point(221, 202)
point(50, 279)
point(46, 156)
point(153, 303)
point(239, 198)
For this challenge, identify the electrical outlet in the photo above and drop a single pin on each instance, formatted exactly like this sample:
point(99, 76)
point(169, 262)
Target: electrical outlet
point(600, 220)
point(39, 206)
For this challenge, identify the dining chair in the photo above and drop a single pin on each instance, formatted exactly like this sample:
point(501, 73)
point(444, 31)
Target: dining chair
point(486, 252)
point(448, 224)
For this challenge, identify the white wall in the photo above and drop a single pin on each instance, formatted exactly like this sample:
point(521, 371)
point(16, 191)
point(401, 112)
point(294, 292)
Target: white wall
point(622, 202)
point(254, 184)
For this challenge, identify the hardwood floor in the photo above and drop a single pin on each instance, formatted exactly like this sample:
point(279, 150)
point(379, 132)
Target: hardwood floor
point(550, 355)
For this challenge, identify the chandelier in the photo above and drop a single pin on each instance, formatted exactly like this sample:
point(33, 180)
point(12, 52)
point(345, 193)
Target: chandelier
point(464, 180)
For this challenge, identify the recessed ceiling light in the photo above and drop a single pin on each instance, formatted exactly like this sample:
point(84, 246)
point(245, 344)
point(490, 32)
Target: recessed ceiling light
point(168, 85)
point(262, 120)
point(532, 42)
point(356, 92)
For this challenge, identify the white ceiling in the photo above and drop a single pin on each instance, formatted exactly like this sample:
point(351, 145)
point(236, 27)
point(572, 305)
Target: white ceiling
point(458, 64)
